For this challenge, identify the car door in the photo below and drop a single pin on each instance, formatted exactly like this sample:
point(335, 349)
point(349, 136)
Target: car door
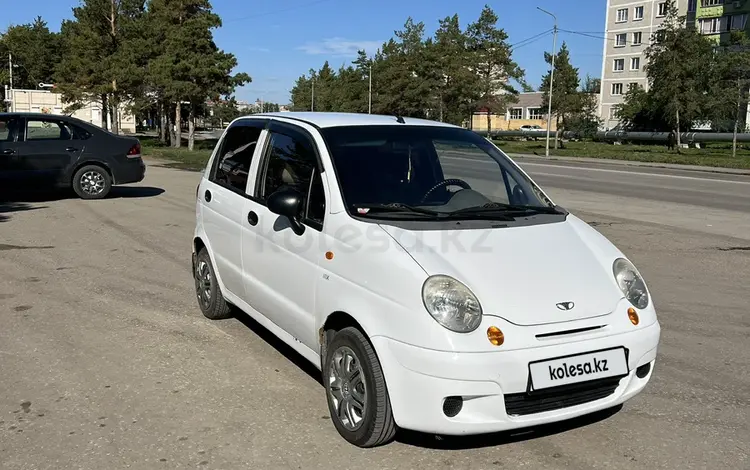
point(9, 147)
point(49, 147)
point(281, 267)
point(223, 195)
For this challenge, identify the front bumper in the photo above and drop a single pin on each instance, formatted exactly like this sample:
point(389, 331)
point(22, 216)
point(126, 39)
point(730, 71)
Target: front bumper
point(419, 380)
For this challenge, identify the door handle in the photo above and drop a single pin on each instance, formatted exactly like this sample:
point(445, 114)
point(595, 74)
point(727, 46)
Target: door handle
point(252, 218)
point(71, 149)
point(207, 196)
point(8, 152)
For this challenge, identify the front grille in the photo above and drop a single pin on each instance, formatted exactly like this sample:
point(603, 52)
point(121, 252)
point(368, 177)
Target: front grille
point(519, 404)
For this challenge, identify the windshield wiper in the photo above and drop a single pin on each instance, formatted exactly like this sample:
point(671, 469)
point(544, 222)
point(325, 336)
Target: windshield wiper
point(394, 208)
point(499, 207)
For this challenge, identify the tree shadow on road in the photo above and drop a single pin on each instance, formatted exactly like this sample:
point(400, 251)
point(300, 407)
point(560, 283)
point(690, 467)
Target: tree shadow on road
point(9, 207)
point(432, 441)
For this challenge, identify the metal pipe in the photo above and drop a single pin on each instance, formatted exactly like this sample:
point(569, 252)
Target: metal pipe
point(625, 136)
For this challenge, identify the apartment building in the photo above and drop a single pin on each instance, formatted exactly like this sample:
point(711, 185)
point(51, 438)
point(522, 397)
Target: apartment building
point(716, 19)
point(629, 26)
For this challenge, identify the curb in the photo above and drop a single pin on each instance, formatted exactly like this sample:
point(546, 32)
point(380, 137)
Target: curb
point(605, 161)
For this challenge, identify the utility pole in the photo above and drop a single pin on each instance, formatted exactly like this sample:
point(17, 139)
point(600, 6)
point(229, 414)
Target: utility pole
point(551, 77)
point(10, 72)
point(369, 106)
point(312, 106)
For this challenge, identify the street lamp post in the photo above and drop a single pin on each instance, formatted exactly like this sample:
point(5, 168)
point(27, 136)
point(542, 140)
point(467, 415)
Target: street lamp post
point(551, 76)
point(369, 104)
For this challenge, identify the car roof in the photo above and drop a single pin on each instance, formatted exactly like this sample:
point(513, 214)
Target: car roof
point(325, 119)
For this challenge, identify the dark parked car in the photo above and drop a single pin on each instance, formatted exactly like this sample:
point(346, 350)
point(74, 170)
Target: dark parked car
point(65, 152)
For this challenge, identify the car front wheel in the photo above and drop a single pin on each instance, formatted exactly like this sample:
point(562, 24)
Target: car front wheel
point(92, 182)
point(356, 390)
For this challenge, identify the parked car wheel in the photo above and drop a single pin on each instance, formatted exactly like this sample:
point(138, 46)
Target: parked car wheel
point(356, 390)
point(92, 182)
point(210, 298)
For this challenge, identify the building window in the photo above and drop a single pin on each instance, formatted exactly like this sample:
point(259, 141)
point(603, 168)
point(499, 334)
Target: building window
point(535, 113)
point(711, 3)
point(621, 39)
point(692, 6)
point(635, 63)
point(637, 38)
point(638, 13)
point(516, 113)
point(622, 15)
point(616, 89)
point(618, 65)
point(632, 86)
point(613, 112)
point(739, 21)
point(715, 25)
point(662, 10)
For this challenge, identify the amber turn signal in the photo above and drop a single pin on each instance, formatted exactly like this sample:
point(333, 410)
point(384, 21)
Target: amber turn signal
point(329, 255)
point(633, 316)
point(495, 336)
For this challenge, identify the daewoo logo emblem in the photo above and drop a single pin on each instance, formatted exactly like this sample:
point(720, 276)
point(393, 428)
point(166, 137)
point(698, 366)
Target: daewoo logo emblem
point(566, 305)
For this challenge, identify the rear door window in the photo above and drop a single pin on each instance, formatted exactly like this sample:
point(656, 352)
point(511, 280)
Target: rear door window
point(48, 129)
point(232, 164)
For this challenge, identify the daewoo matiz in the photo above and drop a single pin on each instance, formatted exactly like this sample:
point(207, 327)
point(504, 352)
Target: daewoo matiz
point(435, 285)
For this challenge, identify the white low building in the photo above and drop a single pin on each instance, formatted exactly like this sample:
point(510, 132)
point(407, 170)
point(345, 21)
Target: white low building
point(48, 102)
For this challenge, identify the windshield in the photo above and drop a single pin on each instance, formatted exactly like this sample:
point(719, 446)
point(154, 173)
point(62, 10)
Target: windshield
point(423, 170)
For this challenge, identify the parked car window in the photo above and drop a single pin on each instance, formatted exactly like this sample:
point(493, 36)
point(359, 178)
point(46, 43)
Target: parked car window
point(292, 164)
point(235, 156)
point(7, 126)
point(48, 129)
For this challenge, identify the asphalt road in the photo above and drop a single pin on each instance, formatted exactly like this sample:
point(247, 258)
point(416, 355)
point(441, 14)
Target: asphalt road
point(106, 361)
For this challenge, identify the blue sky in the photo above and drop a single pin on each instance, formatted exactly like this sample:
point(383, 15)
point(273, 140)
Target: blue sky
point(276, 41)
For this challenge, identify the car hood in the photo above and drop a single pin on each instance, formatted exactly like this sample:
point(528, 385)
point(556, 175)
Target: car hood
point(521, 274)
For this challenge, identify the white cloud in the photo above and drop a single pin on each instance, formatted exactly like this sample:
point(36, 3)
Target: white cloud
point(339, 47)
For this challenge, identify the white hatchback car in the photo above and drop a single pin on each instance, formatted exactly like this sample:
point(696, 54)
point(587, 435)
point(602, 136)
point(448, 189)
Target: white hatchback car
point(436, 286)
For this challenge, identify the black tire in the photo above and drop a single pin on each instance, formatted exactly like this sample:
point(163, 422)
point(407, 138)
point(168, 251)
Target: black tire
point(377, 426)
point(212, 304)
point(83, 182)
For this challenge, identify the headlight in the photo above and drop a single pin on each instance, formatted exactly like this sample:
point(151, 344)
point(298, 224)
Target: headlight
point(451, 304)
point(631, 283)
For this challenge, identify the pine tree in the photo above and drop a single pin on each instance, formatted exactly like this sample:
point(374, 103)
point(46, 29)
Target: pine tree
point(493, 64)
point(190, 67)
point(566, 100)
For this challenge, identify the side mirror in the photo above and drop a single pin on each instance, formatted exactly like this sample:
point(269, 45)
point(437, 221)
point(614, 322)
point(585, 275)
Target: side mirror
point(288, 203)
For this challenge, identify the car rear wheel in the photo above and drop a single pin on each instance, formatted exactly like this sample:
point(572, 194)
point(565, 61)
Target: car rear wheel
point(92, 182)
point(210, 298)
point(356, 390)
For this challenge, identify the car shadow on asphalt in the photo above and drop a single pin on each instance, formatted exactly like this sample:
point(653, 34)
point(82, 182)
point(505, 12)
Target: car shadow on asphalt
point(20, 195)
point(283, 348)
point(431, 441)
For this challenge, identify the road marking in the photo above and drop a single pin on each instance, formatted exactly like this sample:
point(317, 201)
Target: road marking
point(586, 168)
point(627, 172)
